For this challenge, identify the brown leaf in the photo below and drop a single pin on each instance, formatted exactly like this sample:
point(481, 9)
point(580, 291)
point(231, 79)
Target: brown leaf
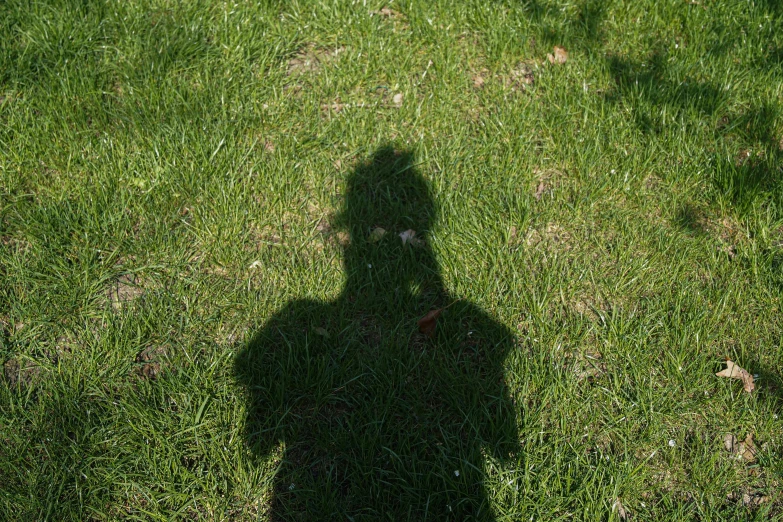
point(540, 190)
point(409, 236)
point(149, 362)
point(478, 81)
point(734, 371)
point(376, 234)
point(747, 449)
point(753, 500)
point(730, 442)
point(560, 55)
point(428, 322)
point(321, 331)
point(621, 512)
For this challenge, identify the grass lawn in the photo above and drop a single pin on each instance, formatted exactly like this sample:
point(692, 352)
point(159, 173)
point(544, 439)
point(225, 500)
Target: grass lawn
point(200, 320)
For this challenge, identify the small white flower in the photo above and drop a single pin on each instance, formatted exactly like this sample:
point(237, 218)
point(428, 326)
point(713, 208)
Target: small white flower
point(672, 443)
point(613, 171)
point(456, 473)
point(369, 265)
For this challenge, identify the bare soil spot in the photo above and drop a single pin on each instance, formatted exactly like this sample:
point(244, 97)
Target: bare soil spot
point(20, 372)
point(127, 288)
point(311, 60)
point(523, 75)
point(588, 365)
point(385, 12)
point(551, 234)
point(150, 361)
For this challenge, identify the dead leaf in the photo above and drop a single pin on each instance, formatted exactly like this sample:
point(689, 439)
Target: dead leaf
point(321, 331)
point(730, 442)
point(377, 233)
point(409, 236)
point(540, 190)
point(560, 55)
point(397, 100)
point(269, 146)
point(621, 512)
point(734, 371)
point(428, 322)
point(747, 449)
point(753, 500)
point(478, 81)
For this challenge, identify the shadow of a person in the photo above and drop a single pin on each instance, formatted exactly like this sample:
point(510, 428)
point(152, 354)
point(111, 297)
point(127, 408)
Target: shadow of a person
point(379, 421)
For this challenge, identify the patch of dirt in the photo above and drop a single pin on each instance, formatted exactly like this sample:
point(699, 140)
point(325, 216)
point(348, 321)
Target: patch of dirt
point(588, 365)
point(551, 234)
point(653, 183)
point(150, 362)
point(547, 180)
point(479, 78)
point(385, 12)
point(310, 60)
point(266, 234)
point(742, 157)
point(124, 290)
point(522, 75)
point(342, 238)
point(729, 232)
point(20, 373)
point(589, 305)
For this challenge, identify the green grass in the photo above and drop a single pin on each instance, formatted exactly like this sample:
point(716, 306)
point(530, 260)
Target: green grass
point(186, 195)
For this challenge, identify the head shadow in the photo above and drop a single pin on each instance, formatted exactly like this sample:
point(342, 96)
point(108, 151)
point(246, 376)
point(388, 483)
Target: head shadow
point(385, 197)
point(371, 418)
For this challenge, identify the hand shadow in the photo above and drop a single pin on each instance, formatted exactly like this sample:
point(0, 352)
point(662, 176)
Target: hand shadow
point(379, 421)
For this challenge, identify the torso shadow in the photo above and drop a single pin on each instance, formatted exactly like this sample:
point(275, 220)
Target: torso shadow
point(378, 421)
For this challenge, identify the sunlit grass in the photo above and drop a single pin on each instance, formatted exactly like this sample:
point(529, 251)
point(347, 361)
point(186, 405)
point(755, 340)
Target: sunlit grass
point(170, 177)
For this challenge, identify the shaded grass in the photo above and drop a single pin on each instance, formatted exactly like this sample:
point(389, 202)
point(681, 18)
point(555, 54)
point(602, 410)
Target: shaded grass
point(172, 143)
